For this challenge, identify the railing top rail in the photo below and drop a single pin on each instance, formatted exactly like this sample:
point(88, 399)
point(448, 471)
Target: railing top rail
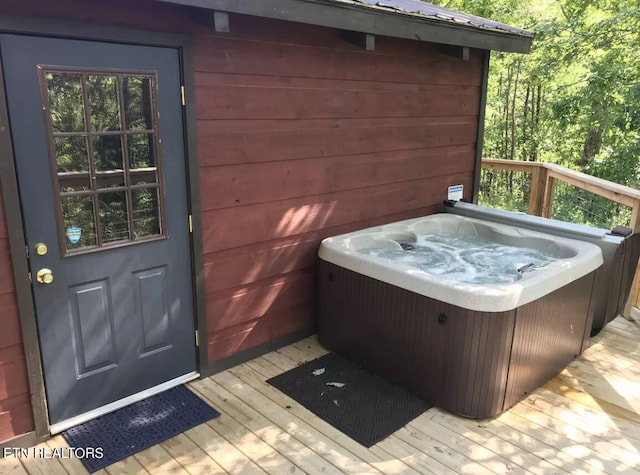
point(613, 191)
point(512, 165)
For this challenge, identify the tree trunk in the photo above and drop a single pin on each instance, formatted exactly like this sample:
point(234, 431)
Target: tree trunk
point(512, 150)
point(526, 141)
point(592, 146)
point(505, 120)
point(536, 122)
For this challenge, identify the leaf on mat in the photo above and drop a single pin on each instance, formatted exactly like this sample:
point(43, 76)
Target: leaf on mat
point(317, 372)
point(335, 401)
point(337, 385)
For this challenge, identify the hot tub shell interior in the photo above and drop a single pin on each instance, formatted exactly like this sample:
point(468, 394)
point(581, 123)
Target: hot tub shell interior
point(469, 362)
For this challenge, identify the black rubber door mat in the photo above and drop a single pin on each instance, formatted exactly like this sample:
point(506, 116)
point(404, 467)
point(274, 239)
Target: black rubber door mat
point(357, 402)
point(129, 430)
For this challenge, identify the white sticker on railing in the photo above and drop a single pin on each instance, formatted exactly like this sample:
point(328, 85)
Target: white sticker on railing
point(455, 192)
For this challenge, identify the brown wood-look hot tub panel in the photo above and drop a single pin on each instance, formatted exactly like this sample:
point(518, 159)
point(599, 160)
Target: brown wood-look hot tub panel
point(550, 332)
point(476, 360)
point(454, 357)
point(476, 364)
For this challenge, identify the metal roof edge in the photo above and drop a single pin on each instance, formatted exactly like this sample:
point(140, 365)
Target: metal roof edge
point(365, 19)
point(423, 9)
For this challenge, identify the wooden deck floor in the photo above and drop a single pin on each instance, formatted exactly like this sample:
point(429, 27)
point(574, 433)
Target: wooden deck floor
point(586, 420)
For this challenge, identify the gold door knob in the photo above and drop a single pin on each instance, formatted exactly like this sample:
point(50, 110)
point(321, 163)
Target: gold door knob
point(44, 276)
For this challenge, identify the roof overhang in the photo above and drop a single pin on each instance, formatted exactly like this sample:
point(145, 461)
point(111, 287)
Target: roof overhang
point(373, 19)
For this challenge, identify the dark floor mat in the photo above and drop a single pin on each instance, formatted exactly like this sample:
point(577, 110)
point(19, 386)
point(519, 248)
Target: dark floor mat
point(138, 426)
point(367, 408)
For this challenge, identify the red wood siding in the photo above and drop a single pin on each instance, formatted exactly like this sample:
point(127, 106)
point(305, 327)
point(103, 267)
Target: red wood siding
point(15, 406)
point(301, 136)
point(299, 140)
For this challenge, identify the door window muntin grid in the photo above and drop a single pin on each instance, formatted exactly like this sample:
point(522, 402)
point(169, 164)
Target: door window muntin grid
point(98, 188)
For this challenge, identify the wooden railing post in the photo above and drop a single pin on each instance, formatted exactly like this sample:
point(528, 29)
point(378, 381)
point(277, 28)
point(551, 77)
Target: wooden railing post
point(631, 309)
point(549, 188)
point(635, 217)
point(536, 195)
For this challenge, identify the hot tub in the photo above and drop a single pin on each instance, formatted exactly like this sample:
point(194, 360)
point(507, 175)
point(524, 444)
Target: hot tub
point(620, 250)
point(424, 303)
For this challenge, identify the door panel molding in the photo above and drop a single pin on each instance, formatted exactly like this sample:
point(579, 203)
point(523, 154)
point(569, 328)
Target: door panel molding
point(151, 298)
point(13, 210)
point(91, 308)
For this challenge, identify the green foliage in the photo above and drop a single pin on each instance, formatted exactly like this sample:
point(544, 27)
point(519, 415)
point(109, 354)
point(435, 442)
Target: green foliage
point(505, 190)
point(575, 100)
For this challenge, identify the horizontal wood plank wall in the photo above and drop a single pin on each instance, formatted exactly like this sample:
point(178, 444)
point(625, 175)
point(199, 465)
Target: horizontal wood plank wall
point(15, 404)
point(301, 136)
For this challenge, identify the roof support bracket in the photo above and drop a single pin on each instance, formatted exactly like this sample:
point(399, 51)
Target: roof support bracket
point(363, 40)
point(459, 52)
point(221, 21)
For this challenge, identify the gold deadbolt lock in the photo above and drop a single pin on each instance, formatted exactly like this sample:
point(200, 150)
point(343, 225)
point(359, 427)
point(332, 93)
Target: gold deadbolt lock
point(44, 276)
point(41, 249)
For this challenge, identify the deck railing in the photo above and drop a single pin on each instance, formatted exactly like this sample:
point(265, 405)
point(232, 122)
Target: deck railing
point(542, 179)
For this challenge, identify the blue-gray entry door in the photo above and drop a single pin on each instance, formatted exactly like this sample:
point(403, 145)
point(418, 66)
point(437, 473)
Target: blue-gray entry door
point(98, 143)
